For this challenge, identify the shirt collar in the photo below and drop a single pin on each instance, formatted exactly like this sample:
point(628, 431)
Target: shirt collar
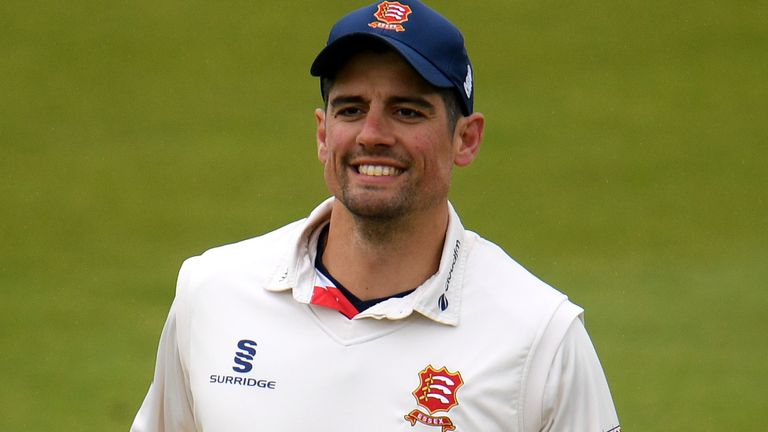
point(438, 298)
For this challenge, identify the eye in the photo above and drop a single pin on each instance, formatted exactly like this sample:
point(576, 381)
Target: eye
point(348, 111)
point(409, 113)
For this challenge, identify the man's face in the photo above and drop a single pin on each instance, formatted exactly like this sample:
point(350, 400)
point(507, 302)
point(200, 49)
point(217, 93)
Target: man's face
point(384, 139)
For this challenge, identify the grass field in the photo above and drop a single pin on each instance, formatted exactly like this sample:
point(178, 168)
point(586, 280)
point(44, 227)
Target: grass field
point(626, 162)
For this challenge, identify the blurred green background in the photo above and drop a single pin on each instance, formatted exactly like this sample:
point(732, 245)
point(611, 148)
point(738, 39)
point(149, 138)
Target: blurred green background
point(625, 162)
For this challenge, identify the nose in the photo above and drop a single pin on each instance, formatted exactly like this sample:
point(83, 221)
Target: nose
point(376, 130)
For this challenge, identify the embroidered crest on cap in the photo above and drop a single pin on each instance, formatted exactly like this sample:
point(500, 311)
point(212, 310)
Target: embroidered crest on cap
point(390, 16)
point(436, 392)
point(468, 82)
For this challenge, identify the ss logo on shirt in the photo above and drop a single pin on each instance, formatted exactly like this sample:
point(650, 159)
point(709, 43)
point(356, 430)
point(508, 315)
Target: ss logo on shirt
point(244, 357)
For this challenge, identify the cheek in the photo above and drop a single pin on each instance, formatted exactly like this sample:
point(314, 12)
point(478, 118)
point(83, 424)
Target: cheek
point(331, 156)
point(335, 141)
point(439, 156)
point(331, 176)
point(444, 166)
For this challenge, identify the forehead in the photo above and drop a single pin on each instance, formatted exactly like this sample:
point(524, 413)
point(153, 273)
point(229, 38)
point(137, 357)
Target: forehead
point(373, 70)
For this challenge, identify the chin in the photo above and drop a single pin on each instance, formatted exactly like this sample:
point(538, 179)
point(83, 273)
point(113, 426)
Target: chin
point(376, 209)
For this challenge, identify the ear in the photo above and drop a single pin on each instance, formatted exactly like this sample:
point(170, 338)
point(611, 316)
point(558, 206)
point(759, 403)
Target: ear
point(467, 138)
point(322, 148)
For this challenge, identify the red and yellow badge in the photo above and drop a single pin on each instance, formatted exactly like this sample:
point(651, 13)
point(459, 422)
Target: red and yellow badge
point(390, 16)
point(436, 392)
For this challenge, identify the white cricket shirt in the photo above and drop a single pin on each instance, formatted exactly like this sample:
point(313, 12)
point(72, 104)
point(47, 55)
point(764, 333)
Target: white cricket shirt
point(482, 345)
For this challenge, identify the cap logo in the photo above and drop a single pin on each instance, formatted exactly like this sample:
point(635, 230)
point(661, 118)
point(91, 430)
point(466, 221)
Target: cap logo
point(390, 16)
point(468, 82)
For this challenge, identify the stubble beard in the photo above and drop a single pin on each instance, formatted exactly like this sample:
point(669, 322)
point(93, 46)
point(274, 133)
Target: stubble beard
point(382, 215)
point(367, 208)
point(381, 219)
point(377, 222)
point(369, 204)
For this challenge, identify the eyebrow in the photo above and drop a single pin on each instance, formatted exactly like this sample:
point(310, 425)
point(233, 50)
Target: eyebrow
point(344, 100)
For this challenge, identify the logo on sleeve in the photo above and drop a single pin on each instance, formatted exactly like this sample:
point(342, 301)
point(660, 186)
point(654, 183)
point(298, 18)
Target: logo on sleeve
point(436, 393)
point(390, 16)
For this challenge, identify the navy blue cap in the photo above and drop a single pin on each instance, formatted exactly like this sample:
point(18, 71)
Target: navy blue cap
point(430, 43)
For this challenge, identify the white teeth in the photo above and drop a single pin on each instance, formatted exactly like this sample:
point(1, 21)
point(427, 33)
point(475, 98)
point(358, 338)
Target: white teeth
point(378, 170)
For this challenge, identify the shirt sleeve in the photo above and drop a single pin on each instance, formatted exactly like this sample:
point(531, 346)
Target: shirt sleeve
point(576, 393)
point(168, 404)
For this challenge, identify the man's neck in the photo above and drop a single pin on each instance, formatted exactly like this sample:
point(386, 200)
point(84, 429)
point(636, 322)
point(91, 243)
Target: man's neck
point(380, 258)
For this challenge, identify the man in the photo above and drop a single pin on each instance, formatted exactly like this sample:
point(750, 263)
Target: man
point(379, 311)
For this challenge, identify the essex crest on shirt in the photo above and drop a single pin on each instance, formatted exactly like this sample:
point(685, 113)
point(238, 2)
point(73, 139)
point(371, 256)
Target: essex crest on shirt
point(436, 393)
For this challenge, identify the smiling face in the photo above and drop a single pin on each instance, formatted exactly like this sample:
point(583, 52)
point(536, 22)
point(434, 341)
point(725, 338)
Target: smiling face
point(385, 141)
